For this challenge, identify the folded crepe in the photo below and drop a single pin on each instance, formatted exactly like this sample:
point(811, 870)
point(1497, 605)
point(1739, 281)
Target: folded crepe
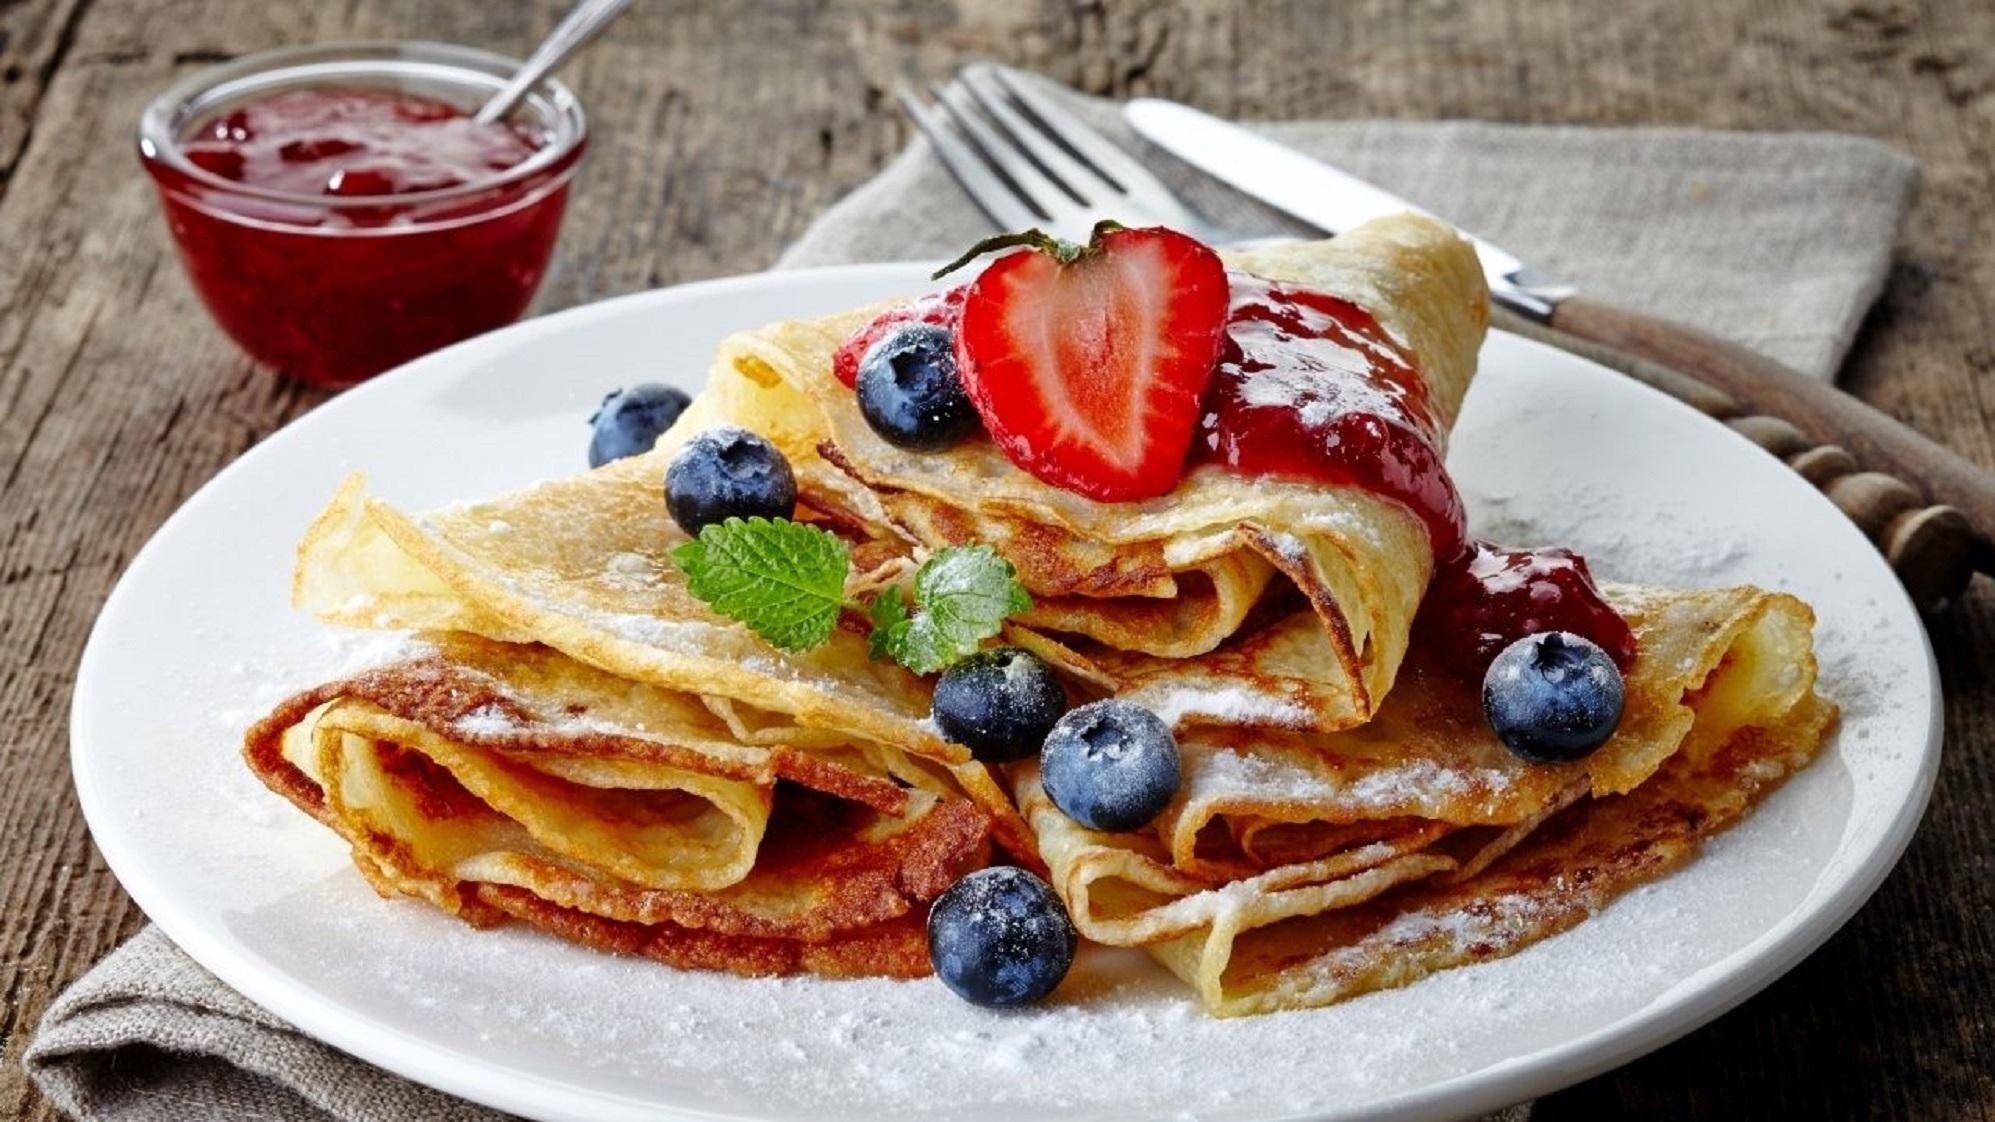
point(1347, 820)
point(583, 566)
point(502, 781)
point(1298, 870)
point(1142, 597)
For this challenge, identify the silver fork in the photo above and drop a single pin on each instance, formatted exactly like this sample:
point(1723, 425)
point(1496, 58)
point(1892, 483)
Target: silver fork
point(1027, 162)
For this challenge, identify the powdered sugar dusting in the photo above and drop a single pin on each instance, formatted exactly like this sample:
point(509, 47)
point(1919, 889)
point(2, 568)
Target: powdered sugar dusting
point(1231, 704)
point(357, 651)
point(1409, 784)
point(1665, 546)
point(699, 639)
point(630, 564)
point(491, 720)
point(335, 652)
point(1498, 921)
point(1290, 547)
point(1326, 387)
point(632, 572)
point(487, 720)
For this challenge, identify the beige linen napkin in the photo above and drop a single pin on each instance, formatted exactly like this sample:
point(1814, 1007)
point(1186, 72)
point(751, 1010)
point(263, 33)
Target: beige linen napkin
point(1780, 241)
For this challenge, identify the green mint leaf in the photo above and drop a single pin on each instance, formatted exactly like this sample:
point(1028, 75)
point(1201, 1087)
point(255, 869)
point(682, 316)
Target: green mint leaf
point(784, 579)
point(962, 596)
point(890, 622)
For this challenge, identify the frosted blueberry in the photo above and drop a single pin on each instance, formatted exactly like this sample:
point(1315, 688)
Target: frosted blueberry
point(1553, 697)
point(1000, 937)
point(728, 473)
point(999, 703)
point(1110, 765)
point(909, 392)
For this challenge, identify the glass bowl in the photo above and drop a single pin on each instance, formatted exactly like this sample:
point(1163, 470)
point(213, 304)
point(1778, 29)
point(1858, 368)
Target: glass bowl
point(333, 289)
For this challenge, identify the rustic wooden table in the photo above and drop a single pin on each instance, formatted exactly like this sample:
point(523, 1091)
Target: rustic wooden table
point(723, 128)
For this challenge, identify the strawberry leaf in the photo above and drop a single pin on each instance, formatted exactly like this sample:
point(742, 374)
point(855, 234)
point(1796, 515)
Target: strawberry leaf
point(1065, 252)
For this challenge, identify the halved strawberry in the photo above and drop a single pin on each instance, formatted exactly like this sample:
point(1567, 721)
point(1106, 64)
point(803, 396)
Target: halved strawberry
point(1087, 363)
point(938, 308)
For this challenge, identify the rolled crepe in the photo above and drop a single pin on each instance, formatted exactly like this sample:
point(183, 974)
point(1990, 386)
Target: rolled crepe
point(499, 781)
point(1243, 884)
point(1147, 594)
point(583, 566)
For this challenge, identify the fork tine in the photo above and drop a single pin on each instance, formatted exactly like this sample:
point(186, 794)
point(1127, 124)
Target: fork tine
point(1067, 216)
point(998, 85)
point(1003, 201)
point(1125, 172)
point(1052, 160)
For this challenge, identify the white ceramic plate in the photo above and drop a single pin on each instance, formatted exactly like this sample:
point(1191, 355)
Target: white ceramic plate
point(198, 639)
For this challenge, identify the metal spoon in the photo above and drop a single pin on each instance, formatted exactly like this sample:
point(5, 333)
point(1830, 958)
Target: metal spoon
point(580, 25)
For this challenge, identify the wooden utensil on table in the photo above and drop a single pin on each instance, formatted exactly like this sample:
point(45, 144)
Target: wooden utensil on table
point(1861, 459)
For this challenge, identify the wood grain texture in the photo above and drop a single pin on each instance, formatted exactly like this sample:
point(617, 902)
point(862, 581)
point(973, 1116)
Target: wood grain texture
point(723, 128)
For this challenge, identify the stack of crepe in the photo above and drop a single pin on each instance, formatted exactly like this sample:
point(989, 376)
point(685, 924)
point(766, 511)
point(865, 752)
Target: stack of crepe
point(587, 748)
point(503, 781)
point(580, 745)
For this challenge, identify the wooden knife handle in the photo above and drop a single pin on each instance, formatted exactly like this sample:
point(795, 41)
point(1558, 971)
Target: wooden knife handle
point(1856, 455)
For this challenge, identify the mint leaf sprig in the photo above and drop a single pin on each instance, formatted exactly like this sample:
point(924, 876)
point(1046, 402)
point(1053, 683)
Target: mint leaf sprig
point(962, 596)
point(785, 581)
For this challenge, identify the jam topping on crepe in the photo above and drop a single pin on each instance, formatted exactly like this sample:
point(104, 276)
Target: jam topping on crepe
point(1309, 386)
point(1489, 597)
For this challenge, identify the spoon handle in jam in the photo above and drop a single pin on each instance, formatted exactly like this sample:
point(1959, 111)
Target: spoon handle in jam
point(581, 24)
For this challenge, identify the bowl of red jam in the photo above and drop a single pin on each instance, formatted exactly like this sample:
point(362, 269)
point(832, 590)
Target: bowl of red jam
point(340, 212)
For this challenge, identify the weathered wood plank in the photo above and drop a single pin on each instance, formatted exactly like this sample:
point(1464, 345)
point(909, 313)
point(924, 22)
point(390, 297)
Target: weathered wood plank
point(720, 131)
point(34, 40)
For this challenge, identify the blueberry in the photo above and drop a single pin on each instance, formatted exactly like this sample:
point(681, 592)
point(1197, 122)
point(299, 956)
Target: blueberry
point(1110, 765)
point(728, 473)
point(630, 421)
point(1000, 937)
point(999, 703)
point(1552, 697)
point(909, 392)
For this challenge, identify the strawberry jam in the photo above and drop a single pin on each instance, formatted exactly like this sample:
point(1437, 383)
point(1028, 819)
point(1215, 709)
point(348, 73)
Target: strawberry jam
point(1487, 598)
point(338, 230)
point(938, 308)
point(354, 142)
point(1310, 387)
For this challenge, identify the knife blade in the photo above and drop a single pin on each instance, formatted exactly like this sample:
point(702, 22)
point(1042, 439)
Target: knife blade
point(1313, 191)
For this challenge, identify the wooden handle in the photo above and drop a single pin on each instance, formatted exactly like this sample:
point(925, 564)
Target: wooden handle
point(1934, 548)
